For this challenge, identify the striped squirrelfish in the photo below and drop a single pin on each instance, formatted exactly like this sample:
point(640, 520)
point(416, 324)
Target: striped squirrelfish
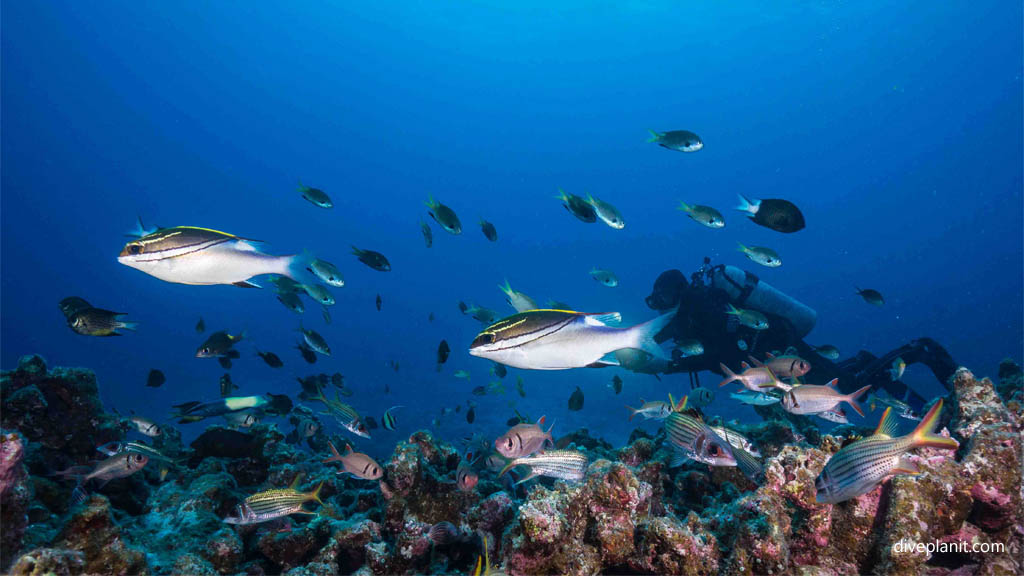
point(564, 464)
point(692, 439)
point(273, 504)
point(810, 399)
point(858, 467)
point(344, 414)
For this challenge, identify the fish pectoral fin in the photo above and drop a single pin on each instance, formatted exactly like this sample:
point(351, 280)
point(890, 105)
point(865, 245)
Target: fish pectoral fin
point(603, 319)
point(247, 284)
point(905, 466)
point(678, 459)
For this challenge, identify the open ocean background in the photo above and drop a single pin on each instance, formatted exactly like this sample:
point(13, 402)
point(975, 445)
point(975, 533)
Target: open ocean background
point(897, 128)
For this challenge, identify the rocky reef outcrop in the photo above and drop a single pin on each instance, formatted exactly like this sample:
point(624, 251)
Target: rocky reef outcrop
point(630, 514)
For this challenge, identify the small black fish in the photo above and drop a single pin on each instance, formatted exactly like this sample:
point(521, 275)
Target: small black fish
point(156, 379)
point(271, 359)
point(374, 260)
point(338, 380)
point(499, 370)
point(489, 230)
point(307, 353)
point(463, 307)
point(379, 302)
point(428, 236)
point(471, 414)
point(479, 391)
point(458, 409)
point(873, 297)
point(617, 383)
point(98, 322)
point(370, 423)
point(72, 304)
point(576, 400)
point(442, 353)
point(200, 326)
point(578, 207)
point(224, 362)
point(226, 386)
point(431, 317)
point(779, 215)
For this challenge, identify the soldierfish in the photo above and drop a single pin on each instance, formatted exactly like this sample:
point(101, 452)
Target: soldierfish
point(355, 463)
point(810, 399)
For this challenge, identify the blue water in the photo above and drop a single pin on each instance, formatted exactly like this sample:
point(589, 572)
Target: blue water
point(896, 128)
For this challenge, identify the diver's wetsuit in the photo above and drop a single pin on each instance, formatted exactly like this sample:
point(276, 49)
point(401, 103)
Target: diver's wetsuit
point(701, 316)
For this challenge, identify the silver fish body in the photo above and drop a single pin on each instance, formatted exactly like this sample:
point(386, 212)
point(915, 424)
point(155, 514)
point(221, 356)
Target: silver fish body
point(200, 256)
point(560, 339)
point(692, 439)
point(563, 464)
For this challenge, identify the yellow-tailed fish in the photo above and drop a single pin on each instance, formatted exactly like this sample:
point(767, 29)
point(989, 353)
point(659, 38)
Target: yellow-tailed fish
point(858, 467)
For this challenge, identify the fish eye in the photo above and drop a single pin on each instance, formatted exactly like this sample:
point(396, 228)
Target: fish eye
point(375, 471)
point(483, 339)
point(206, 350)
point(134, 249)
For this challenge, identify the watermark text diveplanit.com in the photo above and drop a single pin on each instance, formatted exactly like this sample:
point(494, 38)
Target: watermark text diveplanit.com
point(908, 546)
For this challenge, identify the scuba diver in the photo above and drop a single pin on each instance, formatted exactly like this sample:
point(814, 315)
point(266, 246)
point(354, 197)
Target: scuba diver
point(703, 305)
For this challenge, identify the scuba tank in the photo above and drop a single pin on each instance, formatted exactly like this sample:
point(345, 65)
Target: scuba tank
point(746, 290)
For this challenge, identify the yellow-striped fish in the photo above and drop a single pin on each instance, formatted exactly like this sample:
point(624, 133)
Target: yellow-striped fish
point(857, 468)
point(272, 504)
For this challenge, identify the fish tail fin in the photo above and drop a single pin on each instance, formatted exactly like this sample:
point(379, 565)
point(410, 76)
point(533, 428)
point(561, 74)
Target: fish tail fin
point(507, 288)
point(335, 457)
point(315, 494)
point(730, 376)
point(923, 435)
point(430, 203)
point(302, 187)
point(684, 207)
point(129, 325)
point(746, 205)
point(851, 399)
point(590, 199)
point(731, 310)
point(296, 266)
point(507, 467)
point(741, 248)
point(358, 251)
point(632, 411)
point(643, 335)
point(655, 136)
point(561, 195)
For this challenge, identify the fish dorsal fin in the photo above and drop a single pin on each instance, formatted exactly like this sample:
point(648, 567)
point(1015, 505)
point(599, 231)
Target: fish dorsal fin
point(694, 413)
point(755, 361)
point(887, 426)
point(540, 421)
point(769, 355)
point(744, 365)
point(602, 318)
point(832, 383)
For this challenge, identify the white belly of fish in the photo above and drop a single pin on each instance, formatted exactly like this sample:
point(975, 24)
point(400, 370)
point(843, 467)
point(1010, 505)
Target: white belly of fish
point(221, 264)
point(571, 347)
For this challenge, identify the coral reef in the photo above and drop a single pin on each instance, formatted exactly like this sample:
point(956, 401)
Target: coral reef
point(631, 513)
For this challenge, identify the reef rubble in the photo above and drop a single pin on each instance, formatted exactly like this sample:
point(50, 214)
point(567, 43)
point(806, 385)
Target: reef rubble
point(630, 514)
